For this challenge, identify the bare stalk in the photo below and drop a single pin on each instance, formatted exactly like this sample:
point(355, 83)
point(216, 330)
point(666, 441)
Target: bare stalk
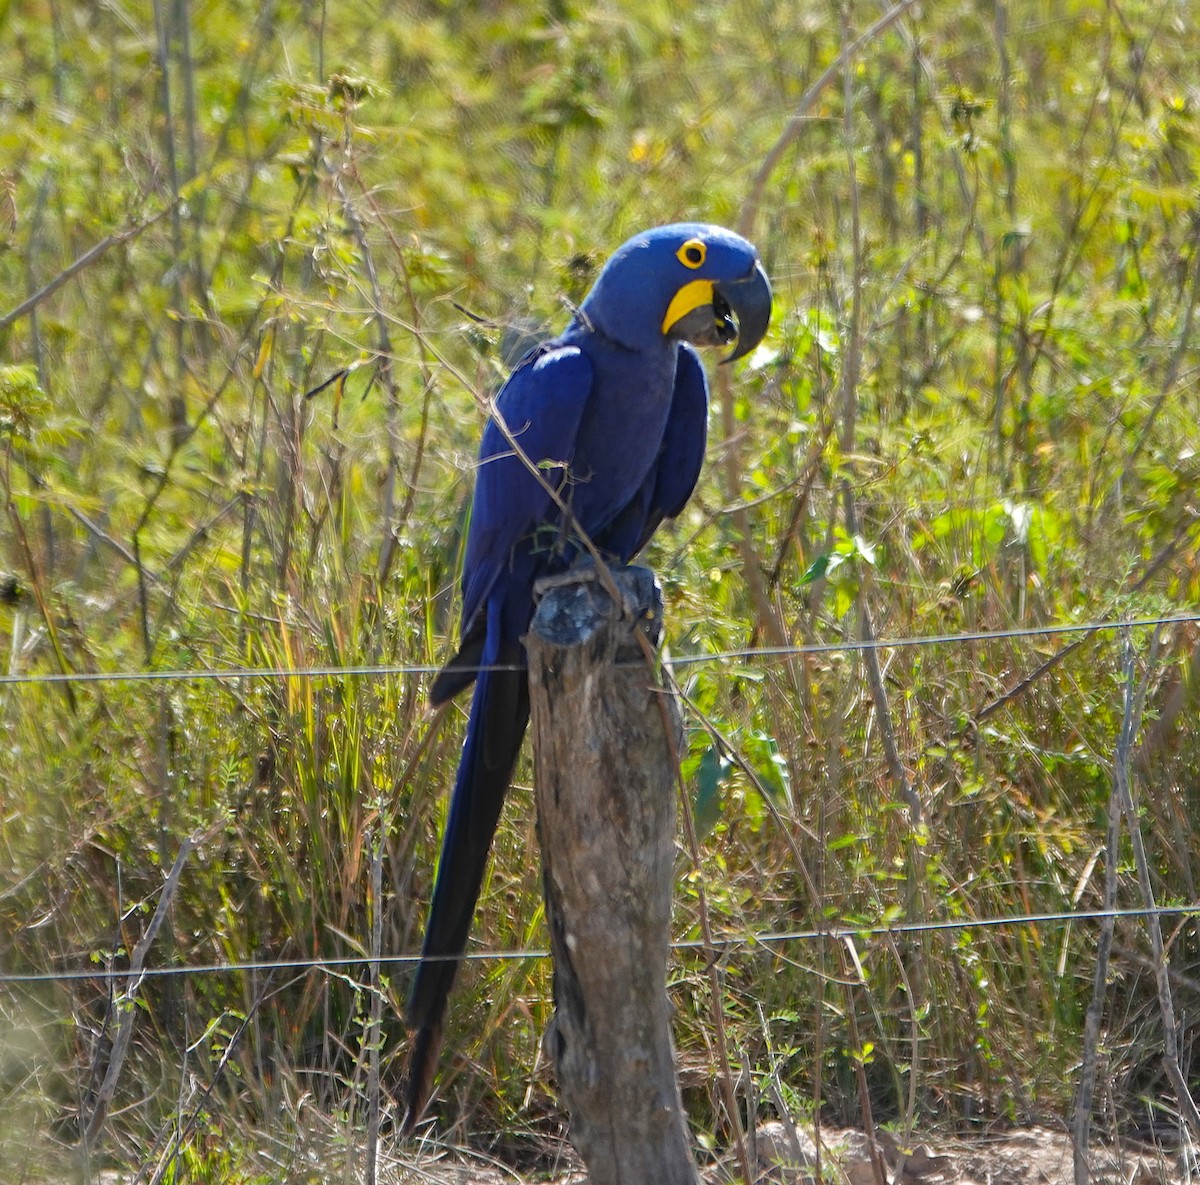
point(417, 329)
point(387, 547)
point(127, 1006)
point(1182, 347)
point(38, 584)
point(1082, 1119)
point(199, 1102)
point(375, 1029)
point(176, 407)
point(851, 366)
point(1121, 803)
point(1165, 554)
point(711, 954)
point(30, 303)
point(795, 125)
point(1135, 702)
point(768, 619)
point(878, 1171)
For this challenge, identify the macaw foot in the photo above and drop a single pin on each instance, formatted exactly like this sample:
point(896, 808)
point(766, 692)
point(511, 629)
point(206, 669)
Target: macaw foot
point(570, 604)
point(586, 572)
point(583, 571)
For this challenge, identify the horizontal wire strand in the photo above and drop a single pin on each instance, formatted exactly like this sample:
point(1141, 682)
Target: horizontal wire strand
point(678, 660)
point(723, 945)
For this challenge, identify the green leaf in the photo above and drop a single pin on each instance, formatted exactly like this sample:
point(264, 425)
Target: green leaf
point(770, 765)
point(817, 569)
point(710, 777)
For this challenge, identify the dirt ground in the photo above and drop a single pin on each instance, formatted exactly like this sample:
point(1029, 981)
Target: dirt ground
point(788, 1156)
point(1034, 1156)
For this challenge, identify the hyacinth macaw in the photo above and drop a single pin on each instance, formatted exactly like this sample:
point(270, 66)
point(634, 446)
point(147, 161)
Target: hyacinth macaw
point(612, 417)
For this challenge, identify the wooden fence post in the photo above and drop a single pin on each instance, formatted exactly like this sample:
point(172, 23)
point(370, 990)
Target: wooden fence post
point(606, 783)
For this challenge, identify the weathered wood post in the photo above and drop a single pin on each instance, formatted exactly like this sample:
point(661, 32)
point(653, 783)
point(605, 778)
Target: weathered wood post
point(605, 783)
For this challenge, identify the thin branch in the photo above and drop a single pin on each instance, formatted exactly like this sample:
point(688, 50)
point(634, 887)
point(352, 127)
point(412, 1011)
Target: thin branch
point(394, 520)
point(1152, 568)
point(37, 582)
point(84, 261)
point(1081, 1120)
point(851, 367)
point(182, 1133)
point(712, 955)
point(375, 1025)
point(808, 101)
point(1182, 346)
point(126, 1005)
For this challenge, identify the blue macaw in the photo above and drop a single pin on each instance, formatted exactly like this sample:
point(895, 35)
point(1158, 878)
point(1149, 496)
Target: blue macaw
point(612, 417)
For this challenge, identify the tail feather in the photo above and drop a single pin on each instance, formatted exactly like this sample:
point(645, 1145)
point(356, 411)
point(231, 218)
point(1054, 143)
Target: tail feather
point(499, 715)
point(427, 1042)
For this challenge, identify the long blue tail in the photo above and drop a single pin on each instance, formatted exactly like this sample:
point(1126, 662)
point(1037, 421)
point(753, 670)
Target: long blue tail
point(499, 715)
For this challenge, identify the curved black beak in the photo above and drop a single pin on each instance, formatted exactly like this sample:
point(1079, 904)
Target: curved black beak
point(743, 307)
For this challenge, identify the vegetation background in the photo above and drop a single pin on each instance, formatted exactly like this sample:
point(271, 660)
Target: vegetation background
point(261, 266)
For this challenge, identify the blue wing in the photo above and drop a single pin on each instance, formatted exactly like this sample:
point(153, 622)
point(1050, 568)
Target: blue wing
point(541, 405)
point(684, 440)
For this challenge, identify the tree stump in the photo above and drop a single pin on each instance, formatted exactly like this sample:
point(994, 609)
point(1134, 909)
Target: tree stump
point(605, 784)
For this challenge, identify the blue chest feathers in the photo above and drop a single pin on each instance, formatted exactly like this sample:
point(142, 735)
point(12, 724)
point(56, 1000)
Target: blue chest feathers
point(621, 433)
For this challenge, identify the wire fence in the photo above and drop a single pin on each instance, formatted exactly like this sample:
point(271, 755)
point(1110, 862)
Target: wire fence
point(361, 969)
point(720, 945)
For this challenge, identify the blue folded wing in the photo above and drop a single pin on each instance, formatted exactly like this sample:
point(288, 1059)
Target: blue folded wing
point(541, 406)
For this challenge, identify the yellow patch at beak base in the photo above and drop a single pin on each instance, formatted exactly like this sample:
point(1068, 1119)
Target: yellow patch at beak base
point(690, 296)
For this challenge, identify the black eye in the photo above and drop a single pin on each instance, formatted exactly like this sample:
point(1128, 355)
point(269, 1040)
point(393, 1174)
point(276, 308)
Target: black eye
point(692, 254)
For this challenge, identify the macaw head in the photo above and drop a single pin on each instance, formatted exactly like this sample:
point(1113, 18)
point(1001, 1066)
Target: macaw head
point(686, 282)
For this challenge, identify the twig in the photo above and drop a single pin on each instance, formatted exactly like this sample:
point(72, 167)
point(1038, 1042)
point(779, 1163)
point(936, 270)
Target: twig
point(878, 1172)
point(1082, 1119)
point(126, 1005)
point(914, 1055)
point(800, 116)
point(84, 261)
point(883, 711)
point(200, 1100)
point(37, 582)
point(765, 612)
point(387, 547)
point(1018, 689)
point(851, 366)
point(712, 957)
point(395, 520)
point(808, 476)
point(1182, 346)
point(375, 1029)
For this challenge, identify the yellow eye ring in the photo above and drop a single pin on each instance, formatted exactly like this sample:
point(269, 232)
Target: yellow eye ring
point(692, 254)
